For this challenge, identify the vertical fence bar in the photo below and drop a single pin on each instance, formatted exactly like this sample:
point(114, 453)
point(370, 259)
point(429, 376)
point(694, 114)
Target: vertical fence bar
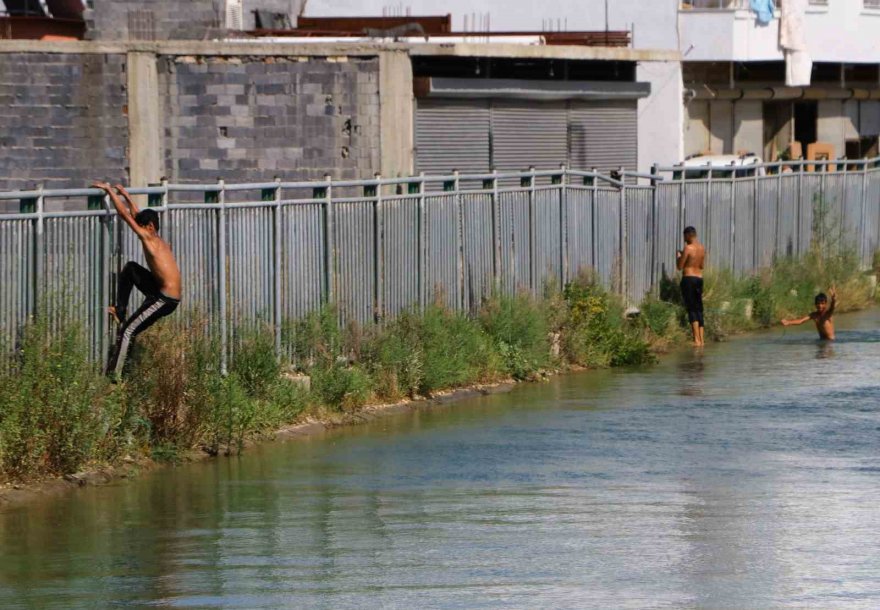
point(421, 243)
point(40, 254)
point(563, 225)
point(460, 240)
point(221, 276)
point(681, 202)
point(496, 232)
point(800, 205)
point(329, 242)
point(104, 268)
point(863, 218)
point(777, 239)
point(755, 223)
point(655, 170)
point(594, 228)
point(623, 235)
point(533, 275)
point(823, 203)
point(733, 223)
point(378, 249)
point(277, 245)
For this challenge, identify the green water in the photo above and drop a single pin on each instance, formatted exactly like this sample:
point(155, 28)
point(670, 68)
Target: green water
point(743, 476)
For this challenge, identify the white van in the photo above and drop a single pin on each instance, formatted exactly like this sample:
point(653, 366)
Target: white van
point(697, 167)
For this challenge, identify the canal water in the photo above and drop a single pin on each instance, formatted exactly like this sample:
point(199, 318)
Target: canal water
point(742, 476)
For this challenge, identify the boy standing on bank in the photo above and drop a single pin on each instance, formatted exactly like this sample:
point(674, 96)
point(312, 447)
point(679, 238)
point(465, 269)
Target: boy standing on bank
point(160, 284)
point(690, 262)
point(822, 315)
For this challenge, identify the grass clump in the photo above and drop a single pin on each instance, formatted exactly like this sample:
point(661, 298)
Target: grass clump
point(56, 410)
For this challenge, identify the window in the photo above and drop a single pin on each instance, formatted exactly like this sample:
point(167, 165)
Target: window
point(234, 15)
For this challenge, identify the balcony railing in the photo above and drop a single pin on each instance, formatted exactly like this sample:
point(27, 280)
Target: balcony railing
point(728, 5)
point(722, 5)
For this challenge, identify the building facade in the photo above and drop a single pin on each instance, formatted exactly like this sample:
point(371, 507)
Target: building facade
point(728, 93)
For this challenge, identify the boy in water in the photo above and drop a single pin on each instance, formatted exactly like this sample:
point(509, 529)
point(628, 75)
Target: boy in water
point(822, 316)
point(690, 262)
point(160, 284)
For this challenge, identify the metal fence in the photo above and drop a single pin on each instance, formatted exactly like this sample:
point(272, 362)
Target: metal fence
point(271, 253)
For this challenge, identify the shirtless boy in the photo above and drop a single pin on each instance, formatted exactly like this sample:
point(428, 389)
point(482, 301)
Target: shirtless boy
point(690, 262)
point(160, 284)
point(822, 315)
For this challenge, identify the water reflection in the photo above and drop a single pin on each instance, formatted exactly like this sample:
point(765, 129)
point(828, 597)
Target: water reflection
point(741, 476)
point(691, 372)
point(824, 349)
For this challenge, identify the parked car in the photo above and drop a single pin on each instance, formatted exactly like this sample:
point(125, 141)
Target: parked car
point(697, 167)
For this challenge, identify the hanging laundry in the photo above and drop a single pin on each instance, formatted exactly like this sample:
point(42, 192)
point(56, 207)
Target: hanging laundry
point(793, 42)
point(764, 9)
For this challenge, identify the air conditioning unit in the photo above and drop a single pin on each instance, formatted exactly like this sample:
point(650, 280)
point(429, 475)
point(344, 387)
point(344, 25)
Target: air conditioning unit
point(234, 15)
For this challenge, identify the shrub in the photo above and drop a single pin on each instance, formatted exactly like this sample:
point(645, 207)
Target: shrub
point(519, 328)
point(52, 404)
point(597, 333)
point(174, 374)
point(341, 387)
point(395, 358)
point(255, 363)
point(316, 338)
point(456, 350)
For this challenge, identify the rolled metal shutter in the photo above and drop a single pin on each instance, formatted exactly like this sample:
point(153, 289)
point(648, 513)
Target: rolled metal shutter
point(527, 133)
point(603, 135)
point(452, 134)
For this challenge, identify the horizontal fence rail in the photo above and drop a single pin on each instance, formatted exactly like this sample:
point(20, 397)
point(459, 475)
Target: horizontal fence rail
point(266, 254)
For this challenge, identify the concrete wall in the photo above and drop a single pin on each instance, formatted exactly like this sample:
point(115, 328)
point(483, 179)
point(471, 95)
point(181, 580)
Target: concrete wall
point(748, 123)
point(661, 115)
point(257, 118)
point(62, 119)
point(831, 125)
point(724, 127)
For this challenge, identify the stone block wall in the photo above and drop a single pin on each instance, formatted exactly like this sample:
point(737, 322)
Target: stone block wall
point(173, 19)
point(154, 19)
point(254, 118)
point(62, 119)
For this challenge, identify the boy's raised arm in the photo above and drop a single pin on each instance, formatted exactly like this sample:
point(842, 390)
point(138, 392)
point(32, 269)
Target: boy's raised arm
point(833, 294)
point(121, 209)
point(131, 204)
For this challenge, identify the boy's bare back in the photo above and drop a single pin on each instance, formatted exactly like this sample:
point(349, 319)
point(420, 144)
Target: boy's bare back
point(160, 260)
point(694, 258)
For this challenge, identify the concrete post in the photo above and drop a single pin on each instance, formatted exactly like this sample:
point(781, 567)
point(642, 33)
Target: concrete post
point(396, 112)
point(144, 128)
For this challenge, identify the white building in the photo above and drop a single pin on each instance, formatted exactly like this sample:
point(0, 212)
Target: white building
point(728, 92)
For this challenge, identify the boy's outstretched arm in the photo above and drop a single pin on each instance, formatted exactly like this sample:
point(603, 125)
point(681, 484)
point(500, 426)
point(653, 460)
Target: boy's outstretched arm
point(796, 321)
